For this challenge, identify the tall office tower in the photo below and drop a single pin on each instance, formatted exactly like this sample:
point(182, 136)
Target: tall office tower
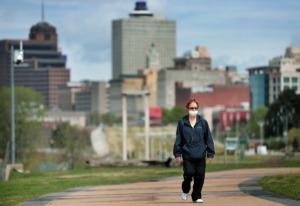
point(267, 82)
point(91, 97)
point(133, 37)
point(144, 40)
point(44, 68)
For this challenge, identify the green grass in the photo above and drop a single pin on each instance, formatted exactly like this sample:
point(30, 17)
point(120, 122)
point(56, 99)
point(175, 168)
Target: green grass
point(284, 184)
point(22, 187)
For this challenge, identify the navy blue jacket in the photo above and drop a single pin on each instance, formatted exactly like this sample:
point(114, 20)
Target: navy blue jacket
point(193, 143)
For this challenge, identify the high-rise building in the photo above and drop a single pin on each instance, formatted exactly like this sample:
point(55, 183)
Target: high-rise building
point(142, 41)
point(86, 96)
point(44, 68)
point(132, 37)
point(193, 70)
point(94, 99)
point(218, 102)
point(267, 82)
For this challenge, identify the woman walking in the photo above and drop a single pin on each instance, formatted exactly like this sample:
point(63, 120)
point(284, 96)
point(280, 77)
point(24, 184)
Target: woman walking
point(192, 146)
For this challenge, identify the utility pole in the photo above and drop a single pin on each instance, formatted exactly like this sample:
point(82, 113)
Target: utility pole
point(237, 124)
point(147, 125)
point(285, 113)
point(285, 127)
point(124, 123)
point(16, 57)
point(12, 87)
point(261, 126)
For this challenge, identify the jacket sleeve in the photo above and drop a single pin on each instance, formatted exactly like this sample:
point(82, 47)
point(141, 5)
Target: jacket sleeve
point(210, 148)
point(177, 149)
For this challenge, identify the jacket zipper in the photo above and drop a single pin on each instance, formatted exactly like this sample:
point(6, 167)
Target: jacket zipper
point(193, 128)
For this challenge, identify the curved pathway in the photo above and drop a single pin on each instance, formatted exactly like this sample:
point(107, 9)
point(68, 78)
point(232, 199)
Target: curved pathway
point(234, 188)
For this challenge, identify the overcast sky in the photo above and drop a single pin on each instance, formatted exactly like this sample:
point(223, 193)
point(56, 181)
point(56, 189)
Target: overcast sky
point(236, 32)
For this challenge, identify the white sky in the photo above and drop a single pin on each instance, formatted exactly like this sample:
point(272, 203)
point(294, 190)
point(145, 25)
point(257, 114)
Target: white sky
point(236, 32)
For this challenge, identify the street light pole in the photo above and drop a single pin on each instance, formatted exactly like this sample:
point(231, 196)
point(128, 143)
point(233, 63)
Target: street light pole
point(237, 124)
point(285, 113)
point(261, 125)
point(285, 127)
point(225, 123)
point(12, 83)
point(147, 124)
point(124, 123)
point(15, 57)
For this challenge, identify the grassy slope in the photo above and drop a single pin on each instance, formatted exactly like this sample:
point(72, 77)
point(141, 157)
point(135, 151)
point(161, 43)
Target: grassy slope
point(284, 184)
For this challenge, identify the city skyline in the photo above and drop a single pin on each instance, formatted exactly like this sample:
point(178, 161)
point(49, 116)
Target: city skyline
point(239, 33)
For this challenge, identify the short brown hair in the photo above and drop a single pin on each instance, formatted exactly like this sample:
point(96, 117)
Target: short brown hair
point(189, 102)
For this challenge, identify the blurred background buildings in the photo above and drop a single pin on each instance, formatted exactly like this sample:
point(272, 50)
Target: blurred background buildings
point(144, 59)
point(282, 73)
point(142, 41)
point(44, 68)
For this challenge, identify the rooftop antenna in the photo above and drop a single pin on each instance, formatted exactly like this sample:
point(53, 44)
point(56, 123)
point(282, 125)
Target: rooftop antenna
point(43, 11)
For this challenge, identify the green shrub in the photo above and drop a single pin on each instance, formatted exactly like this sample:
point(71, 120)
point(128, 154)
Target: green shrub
point(275, 144)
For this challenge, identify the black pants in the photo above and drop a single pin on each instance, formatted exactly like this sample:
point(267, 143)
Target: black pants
point(193, 169)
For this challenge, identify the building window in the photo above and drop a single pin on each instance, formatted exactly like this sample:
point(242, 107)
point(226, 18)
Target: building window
point(286, 79)
point(32, 36)
point(286, 88)
point(47, 37)
point(295, 88)
point(294, 79)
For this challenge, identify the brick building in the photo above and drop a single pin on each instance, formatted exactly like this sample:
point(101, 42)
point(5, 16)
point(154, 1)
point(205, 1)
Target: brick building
point(44, 68)
point(221, 105)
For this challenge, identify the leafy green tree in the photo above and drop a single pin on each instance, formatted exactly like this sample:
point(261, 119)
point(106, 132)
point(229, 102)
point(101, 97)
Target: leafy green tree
point(166, 119)
point(177, 113)
point(294, 138)
point(110, 119)
point(95, 119)
point(173, 115)
point(73, 143)
point(285, 108)
point(28, 129)
point(295, 144)
point(252, 126)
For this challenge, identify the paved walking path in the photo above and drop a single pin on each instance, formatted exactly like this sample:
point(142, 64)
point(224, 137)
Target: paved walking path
point(234, 188)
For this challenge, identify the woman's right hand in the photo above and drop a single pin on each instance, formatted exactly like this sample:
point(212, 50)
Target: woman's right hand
point(178, 159)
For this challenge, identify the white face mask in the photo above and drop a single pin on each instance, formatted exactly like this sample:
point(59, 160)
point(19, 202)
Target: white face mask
point(193, 113)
